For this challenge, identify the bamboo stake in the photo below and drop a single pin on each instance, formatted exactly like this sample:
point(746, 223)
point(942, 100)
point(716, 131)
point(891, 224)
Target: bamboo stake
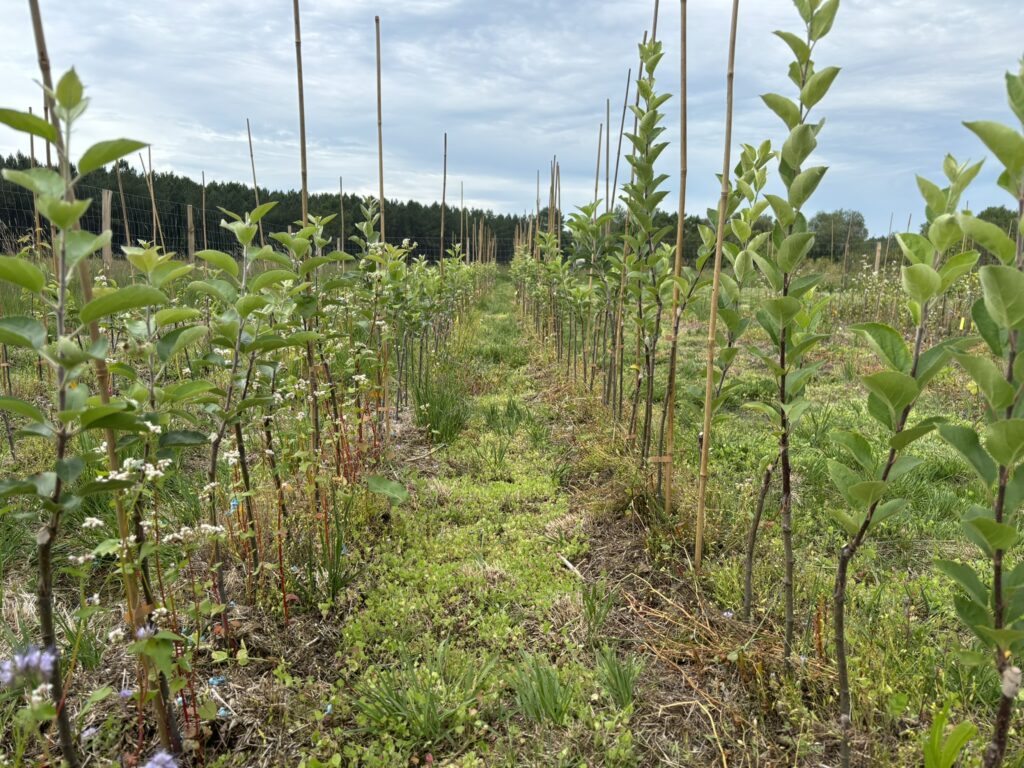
point(255, 186)
point(341, 210)
point(124, 207)
point(670, 395)
point(444, 190)
point(157, 230)
point(380, 135)
point(202, 205)
point(302, 116)
point(702, 481)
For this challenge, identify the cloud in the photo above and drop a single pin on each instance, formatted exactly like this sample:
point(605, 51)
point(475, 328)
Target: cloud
point(514, 84)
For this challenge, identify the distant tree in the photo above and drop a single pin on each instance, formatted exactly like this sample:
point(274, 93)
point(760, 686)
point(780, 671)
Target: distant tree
point(830, 229)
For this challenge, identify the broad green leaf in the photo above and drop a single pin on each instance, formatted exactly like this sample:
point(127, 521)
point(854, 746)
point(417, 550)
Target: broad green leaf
point(182, 438)
point(966, 442)
point(902, 466)
point(1004, 142)
point(796, 44)
point(990, 237)
point(867, 492)
point(220, 260)
point(921, 282)
point(22, 408)
point(69, 90)
point(955, 267)
point(849, 523)
point(793, 250)
point(887, 343)
point(29, 123)
point(1003, 291)
point(803, 186)
point(967, 578)
point(989, 378)
point(817, 86)
point(884, 511)
point(1004, 441)
point(103, 152)
point(897, 390)
point(63, 214)
point(944, 231)
point(936, 201)
point(22, 332)
point(902, 439)
point(258, 213)
point(42, 181)
point(271, 277)
point(783, 309)
point(172, 343)
point(798, 146)
point(395, 492)
point(858, 447)
point(917, 248)
point(80, 244)
point(784, 108)
point(821, 22)
point(996, 535)
point(248, 304)
point(993, 335)
point(21, 272)
point(120, 299)
point(173, 315)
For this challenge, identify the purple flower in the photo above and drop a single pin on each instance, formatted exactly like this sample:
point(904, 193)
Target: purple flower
point(144, 633)
point(126, 693)
point(89, 732)
point(161, 759)
point(31, 664)
point(727, 614)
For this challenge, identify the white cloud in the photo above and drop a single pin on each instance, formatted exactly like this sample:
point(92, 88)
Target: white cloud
point(514, 84)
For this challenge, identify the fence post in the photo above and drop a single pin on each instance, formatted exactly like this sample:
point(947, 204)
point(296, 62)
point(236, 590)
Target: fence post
point(108, 253)
point(878, 256)
point(191, 233)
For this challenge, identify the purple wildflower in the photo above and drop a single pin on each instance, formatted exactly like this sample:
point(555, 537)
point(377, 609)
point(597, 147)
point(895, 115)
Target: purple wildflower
point(126, 693)
point(29, 665)
point(161, 759)
point(89, 732)
point(144, 633)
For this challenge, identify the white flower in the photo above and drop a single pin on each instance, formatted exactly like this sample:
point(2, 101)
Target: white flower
point(92, 522)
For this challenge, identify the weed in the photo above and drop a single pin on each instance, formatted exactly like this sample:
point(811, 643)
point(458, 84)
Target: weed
point(540, 692)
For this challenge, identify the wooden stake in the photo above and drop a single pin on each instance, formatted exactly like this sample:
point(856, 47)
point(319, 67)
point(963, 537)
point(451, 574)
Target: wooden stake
point(106, 198)
point(341, 210)
point(255, 186)
point(670, 395)
point(702, 481)
point(380, 136)
point(444, 189)
point(191, 233)
point(124, 206)
point(202, 212)
point(302, 115)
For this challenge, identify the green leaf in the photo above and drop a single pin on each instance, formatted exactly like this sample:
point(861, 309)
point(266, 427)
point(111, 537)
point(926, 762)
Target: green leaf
point(182, 438)
point(849, 523)
point(996, 535)
point(858, 447)
point(262, 210)
point(917, 248)
point(921, 282)
point(902, 439)
point(784, 108)
point(989, 379)
point(884, 511)
point(174, 342)
point(944, 231)
point(1003, 290)
point(955, 267)
point(22, 408)
point(42, 181)
point(821, 22)
point(817, 86)
point(22, 272)
point(965, 576)
point(103, 152)
point(80, 244)
point(22, 332)
point(1015, 94)
point(1004, 142)
point(966, 442)
point(63, 214)
point(793, 250)
point(867, 492)
point(936, 201)
point(803, 186)
point(796, 44)
point(798, 146)
point(897, 390)
point(28, 123)
point(120, 299)
point(271, 277)
point(887, 343)
point(902, 465)
point(173, 315)
point(220, 260)
point(993, 335)
point(783, 309)
point(1004, 440)
point(990, 237)
point(69, 90)
point(395, 492)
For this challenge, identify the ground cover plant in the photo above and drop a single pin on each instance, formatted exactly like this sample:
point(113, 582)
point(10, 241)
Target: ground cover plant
point(301, 502)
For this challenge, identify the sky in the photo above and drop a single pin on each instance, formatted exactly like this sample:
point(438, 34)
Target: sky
point(515, 83)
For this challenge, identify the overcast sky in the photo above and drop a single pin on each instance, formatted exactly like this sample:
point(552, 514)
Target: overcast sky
point(514, 83)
